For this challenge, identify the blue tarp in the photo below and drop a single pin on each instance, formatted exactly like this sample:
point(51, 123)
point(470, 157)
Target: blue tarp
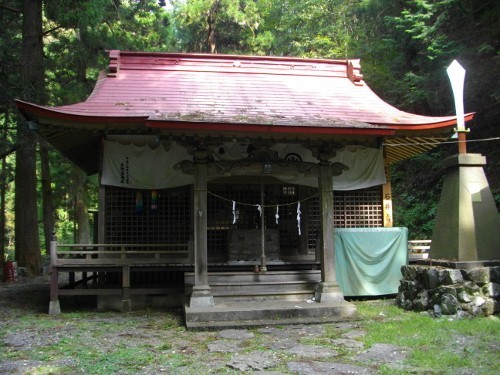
point(368, 260)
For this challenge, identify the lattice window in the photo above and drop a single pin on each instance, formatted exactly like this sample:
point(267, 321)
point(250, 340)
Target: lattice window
point(132, 218)
point(352, 209)
point(171, 222)
point(359, 208)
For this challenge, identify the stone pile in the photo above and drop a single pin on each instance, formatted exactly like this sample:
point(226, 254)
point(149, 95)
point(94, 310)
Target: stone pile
point(446, 291)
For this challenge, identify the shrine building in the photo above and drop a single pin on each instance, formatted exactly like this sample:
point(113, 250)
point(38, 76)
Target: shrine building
point(242, 188)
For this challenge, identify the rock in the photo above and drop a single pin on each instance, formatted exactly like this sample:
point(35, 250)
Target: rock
point(316, 368)
point(223, 346)
point(475, 310)
point(444, 289)
point(422, 301)
point(471, 288)
point(353, 335)
point(408, 306)
point(275, 332)
point(236, 334)
point(257, 360)
point(347, 343)
point(281, 344)
point(400, 299)
point(447, 291)
point(437, 311)
point(491, 290)
point(479, 276)
point(464, 297)
point(409, 272)
point(452, 276)
point(449, 304)
point(432, 278)
point(495, 274)
point(478, 301)
point(382, 353)
point(410, 289)
point(346, 325)
point(488, 307)
point(304, 330)
point(313, 351)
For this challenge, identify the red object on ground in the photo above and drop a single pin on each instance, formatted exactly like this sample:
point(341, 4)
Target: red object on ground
point(9, 271)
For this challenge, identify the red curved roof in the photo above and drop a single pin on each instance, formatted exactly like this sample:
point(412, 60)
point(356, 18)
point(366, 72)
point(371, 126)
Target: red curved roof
point(165, 88)
point(230, 95)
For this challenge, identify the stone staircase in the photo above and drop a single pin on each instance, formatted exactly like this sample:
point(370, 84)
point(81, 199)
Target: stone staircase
point(249, 299)
point(257, 286)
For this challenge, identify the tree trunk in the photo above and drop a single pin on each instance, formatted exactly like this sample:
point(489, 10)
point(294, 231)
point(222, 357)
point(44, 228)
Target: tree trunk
point(32, 70)
point(47, 201)
point(81, 211)
point(3, 187)
point(212, 21)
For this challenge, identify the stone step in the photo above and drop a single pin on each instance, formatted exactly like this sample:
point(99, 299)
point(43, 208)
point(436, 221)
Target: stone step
point(243, 314)
point(298, 296)
point(255, 277)
point(221, 288)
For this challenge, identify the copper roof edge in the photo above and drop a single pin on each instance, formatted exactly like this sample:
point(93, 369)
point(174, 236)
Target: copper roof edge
point(440, 122)
point(216, 56)
point(28, 109)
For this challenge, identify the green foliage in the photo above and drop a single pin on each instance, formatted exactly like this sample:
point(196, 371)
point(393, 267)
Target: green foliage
point(224, 26)
point(416, 187)
point(309, 28)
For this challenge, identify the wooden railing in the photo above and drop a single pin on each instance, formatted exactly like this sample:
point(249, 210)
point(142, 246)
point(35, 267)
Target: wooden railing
point(121, 258)
point(418, 249)
point(62, 255)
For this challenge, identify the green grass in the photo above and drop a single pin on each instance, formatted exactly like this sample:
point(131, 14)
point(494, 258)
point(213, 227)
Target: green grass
point(438, 346)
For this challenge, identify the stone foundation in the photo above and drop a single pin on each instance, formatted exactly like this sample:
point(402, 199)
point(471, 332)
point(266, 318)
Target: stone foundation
point(447, 291)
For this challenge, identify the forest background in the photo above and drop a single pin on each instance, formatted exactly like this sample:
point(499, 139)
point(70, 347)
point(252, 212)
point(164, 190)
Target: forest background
point(51, 52)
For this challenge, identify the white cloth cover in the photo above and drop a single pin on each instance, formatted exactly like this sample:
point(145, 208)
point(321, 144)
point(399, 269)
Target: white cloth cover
point(152, 165)
point(144, 166)
point(366, 166)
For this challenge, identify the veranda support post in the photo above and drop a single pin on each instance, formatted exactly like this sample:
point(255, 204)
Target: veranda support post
point(54, 306)
point(201, 295)
point(328, 289)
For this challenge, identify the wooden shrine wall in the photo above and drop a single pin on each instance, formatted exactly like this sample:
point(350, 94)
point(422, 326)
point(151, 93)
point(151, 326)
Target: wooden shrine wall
point(139, 217)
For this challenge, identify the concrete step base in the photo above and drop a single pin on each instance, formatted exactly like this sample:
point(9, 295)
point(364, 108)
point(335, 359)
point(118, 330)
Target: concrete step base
point(248, 314)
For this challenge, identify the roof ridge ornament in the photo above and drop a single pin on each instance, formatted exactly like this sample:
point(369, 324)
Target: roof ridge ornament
point(114, 63)
point(354, 72)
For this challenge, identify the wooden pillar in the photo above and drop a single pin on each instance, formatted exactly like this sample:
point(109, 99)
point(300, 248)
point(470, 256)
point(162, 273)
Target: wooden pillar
point(303, 241)
point(201, 295)
point(54, 306)
point(328, 289)
point(387, 200)
point(101, 204)
point(126, 303)
point(263, 260)
point(101, 218)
